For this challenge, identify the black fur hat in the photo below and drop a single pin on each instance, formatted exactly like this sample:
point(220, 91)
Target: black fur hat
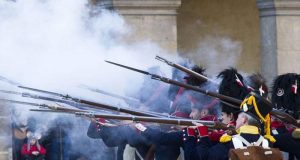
point(285, 93)
point(232, 85)
point(193, 80)
point(257, 83)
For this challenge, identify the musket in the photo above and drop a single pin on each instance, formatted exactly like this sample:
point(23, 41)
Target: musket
point(76, 102)
point(184, 85)
point(184, 69)
point(233, 102)
point(129, 99)
point(50, 111)
point(39, 97)
point(9, 81)
point(64, 96)
point(49, 108)
point(44, 106)
point(95, 105)
point(173, 121)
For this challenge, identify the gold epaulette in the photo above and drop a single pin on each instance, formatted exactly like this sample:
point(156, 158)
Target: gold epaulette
point(225, 138)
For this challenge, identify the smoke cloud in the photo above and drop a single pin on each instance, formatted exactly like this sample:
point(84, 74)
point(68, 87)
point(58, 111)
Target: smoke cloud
point(216, 53)
point(59, 45)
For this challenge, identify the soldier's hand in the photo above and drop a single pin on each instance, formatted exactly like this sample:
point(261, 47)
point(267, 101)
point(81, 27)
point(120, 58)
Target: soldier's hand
point(36, 153)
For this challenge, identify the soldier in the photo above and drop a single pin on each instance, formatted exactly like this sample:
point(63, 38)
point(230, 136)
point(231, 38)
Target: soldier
point(286, 97)
point(153, 94)
point(119, 136)
point(204, 109)
point(254, 111)
point(177, 93)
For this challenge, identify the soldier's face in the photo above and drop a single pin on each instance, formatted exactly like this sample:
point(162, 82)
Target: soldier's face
point(241, 120)
point(226, 118)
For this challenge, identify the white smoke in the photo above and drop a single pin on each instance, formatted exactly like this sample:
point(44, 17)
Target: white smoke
point(58, 45)
point(216, 53)
point(45, 44)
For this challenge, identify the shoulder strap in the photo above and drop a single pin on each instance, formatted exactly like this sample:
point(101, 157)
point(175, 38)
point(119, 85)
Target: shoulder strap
point(265, 144)
point(262, 142)
point(259, 141)
point(238, 142)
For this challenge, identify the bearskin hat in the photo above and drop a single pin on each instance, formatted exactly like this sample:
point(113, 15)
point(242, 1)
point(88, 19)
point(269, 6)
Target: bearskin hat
point(232, 85)
point(191, 80)
point(285, 93)
point(257, 83)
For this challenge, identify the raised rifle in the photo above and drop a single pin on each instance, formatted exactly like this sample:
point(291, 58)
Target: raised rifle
point(78, 102)
point(233, 102)
point(173, 121)
point(184, 69)
point(4, 79)
point(227, 99)
point(45, 106)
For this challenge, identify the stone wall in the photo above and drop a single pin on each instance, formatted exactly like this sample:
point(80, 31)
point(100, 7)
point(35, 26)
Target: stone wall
point(153, 20)
point(280, 21)
point(237, 20)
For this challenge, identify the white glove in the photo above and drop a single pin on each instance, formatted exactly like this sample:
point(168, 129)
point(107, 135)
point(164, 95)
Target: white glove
point(140, 127)
point(35, 153)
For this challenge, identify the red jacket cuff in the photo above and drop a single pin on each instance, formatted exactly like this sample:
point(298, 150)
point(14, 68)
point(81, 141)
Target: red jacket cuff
point(191, 132)
point(202, 131)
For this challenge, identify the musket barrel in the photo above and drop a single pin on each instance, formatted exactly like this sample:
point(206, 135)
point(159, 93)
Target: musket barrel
point(119, 109)
point(185, 122)
point(187, 86)
point(75, 101)
point(207, 92)
point(184, 69)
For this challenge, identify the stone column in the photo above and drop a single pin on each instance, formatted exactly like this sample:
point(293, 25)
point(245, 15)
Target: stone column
point(280, 36)
point(153, 20)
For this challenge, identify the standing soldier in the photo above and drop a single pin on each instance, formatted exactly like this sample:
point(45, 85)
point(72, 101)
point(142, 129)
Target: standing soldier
point(176, 93)
point(286, 97)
